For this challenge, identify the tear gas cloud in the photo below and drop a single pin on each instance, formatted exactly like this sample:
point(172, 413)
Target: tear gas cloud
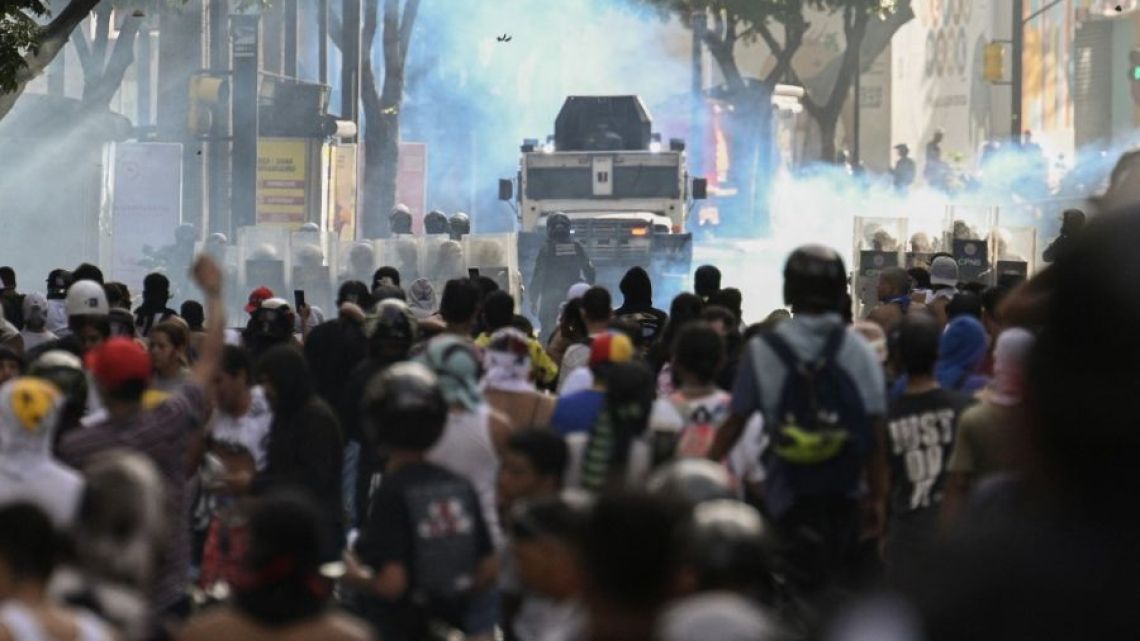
point(473, 99)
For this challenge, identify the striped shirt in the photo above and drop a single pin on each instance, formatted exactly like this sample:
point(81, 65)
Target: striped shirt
point(162, 435)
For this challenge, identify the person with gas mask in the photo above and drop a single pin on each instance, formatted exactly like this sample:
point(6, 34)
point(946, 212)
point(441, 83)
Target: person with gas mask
point(561, 262)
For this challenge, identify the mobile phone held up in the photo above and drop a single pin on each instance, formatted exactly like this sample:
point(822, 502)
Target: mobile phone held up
point(299, 299)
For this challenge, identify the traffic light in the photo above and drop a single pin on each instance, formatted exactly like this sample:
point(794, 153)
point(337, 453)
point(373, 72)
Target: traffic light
point(207, 93)
point(993, 62)
point(1134, 74)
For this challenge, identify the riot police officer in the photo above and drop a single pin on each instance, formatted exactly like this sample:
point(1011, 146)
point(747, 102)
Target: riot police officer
point(561, 262)
point(400, 220)
point(435, 222)
point(459, 225)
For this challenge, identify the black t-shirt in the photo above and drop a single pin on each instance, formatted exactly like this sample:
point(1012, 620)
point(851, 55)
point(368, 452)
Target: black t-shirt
point(920, 432)
point(428, 520)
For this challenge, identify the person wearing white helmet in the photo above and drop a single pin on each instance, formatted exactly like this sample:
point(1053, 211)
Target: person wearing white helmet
point(87, 312)
point(29, 414)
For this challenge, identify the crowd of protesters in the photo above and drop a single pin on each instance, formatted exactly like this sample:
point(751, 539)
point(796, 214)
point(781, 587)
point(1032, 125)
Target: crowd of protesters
point(957, 465)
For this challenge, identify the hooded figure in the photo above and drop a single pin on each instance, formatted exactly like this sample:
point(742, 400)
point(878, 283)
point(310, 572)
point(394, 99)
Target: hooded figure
point(638, 307)
point(960, 355)
point(305, 444)
point(30, 409)
point(156, 293)
point(421, 298)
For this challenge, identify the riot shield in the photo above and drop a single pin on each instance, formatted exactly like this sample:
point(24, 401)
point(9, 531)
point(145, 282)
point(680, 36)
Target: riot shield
point(311, 255)
point(264, 258)
point(495, 256)
point(878, 244)
point(403, 252)
point(357, 261)
point(441, 260)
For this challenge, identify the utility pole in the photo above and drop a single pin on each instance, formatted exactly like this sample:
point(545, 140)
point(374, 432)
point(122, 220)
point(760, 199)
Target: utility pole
point(245, 34)
point(323, 41)
point(218, 147)
point(290, 70)
point(1018, 47)
point(350, 61)
point(857, 115)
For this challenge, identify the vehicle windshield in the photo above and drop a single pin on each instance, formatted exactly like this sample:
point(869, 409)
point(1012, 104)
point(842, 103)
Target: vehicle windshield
point(546, 183)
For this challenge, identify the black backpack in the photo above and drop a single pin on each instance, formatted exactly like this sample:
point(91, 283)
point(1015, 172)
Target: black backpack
point(821, 427)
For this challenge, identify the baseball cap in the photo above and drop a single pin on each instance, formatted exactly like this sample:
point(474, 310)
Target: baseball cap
point(256, 297)
point(611, 348)
point(118, 361)
point(944, 271)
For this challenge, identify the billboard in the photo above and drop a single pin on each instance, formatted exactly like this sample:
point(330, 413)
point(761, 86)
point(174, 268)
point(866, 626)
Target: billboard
point(343, 192)
point(282, 181)
point(146, 206)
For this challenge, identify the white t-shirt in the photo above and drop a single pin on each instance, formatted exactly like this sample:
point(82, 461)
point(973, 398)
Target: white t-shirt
point(698, 420)
point(466, 449)
point(33, 340)
point(250, 431)
point(53, 487)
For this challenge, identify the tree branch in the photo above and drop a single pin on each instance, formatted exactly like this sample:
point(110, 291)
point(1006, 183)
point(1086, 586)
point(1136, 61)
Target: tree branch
point(83, 52)
point(102, 33)
point(55, 36)
point(369, 94)
point(122, 56)
point(407, 23)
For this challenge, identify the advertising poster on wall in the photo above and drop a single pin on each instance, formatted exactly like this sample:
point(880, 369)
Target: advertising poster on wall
point(282, 181)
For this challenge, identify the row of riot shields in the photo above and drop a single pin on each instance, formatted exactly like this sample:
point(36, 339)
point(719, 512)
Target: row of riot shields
point(987, 250)
point(317, 262)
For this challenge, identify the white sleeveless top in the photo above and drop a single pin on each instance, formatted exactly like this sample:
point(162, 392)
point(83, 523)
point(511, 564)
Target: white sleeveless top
point(23, 626)
point(466, 449)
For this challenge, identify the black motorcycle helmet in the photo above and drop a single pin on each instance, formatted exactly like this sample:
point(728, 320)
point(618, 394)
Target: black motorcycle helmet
point(558, 227)
point(435, 222)
point(459, 225)
point(400, 220)
point(392, 330)
point(728, 547)
point(692, 481)
point(405, 408)
point(815, 280)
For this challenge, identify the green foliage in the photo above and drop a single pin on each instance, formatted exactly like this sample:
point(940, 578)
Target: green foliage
point(19, 35)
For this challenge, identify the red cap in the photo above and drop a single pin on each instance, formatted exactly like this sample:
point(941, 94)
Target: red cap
point(611, 348)
point(256, 296)
point(117, 361)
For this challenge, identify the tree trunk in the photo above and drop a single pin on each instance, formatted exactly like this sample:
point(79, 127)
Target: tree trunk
point(828, 121)
point(382, 111)
point(97, 94)
point(56, 34)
